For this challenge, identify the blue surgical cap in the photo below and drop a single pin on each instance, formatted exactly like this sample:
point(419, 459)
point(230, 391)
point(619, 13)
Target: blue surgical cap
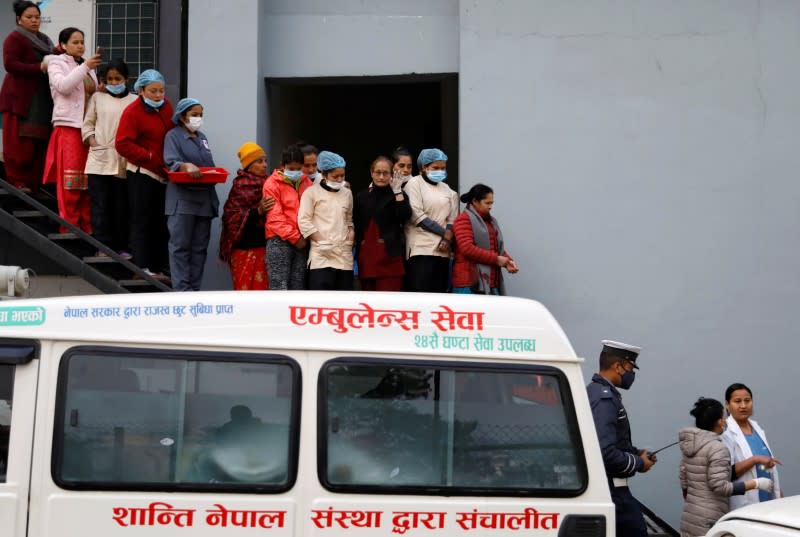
point(426, 156)
point(182, 106)
point(327, 161)
point(148, 77)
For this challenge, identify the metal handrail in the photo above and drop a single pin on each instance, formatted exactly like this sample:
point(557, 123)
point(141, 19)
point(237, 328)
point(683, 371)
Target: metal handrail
point(29, 200)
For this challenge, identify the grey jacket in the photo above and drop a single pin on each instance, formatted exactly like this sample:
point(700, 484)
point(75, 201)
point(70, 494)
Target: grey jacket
point(186, 198)
point(705, 475)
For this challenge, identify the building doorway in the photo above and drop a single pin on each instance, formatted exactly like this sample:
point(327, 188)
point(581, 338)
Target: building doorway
point(363, 117)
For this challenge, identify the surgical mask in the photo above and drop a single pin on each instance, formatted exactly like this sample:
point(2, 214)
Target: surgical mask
point(437, 176)
point(406, 178)
point(292, 175)
point(313, 176)
point(194, 123)
point(333, 186)
point(152, 103)
point(627, 379)
point(116, 89)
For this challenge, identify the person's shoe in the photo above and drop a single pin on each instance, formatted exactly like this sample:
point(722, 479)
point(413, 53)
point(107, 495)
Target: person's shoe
point(101, 253)
point(160, 276)
point(125, 255)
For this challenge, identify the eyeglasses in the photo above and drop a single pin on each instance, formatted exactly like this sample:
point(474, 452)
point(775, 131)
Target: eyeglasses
point(382, 174)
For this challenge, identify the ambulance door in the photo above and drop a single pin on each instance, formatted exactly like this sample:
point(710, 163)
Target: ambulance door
point(18, 374)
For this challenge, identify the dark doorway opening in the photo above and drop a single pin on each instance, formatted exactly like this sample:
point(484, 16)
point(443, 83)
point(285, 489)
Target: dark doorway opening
point(363, 117)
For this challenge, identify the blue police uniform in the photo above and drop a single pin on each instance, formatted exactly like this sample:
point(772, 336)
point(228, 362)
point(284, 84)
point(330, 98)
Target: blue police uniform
point(620, 457)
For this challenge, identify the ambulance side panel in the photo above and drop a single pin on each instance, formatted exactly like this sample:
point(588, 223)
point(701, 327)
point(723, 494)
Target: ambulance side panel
point(87, 439)
point(17, 386)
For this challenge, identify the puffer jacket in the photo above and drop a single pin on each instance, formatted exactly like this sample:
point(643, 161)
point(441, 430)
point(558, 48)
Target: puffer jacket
point(68, 89)
point(705, 475)
point(282, 218)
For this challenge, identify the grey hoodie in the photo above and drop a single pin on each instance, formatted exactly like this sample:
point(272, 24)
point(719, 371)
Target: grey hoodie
point(705, 476)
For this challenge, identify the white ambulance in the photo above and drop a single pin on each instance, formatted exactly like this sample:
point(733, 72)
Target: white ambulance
point(294, 414)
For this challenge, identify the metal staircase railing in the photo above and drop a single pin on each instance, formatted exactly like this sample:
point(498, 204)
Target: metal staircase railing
point(656, 525)
point(109, 273)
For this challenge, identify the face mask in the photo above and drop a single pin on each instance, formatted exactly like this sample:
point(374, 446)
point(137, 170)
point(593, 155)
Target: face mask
point(116, 89)
point(406, 178)
point(627, 379)
point(152, 103)
point(313, 176)
point(194, 123)
point(437, 176)
point(292, 175)
point(333, 186)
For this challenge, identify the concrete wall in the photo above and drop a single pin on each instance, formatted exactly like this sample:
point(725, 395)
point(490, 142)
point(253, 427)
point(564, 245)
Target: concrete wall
point(223, 74)
point(354, 38)
point(644, 158)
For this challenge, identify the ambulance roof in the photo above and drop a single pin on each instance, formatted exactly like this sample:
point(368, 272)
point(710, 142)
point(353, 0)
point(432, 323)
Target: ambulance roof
point(396, 323)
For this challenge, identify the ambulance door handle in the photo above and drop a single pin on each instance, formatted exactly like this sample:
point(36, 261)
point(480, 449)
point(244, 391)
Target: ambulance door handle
point(73, 417)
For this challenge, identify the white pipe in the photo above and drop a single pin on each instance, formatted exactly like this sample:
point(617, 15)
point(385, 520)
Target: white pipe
point(14, 281)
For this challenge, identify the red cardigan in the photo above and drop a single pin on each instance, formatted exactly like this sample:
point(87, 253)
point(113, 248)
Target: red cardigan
point(140, 135)
point(467, 253)
point(23, 74)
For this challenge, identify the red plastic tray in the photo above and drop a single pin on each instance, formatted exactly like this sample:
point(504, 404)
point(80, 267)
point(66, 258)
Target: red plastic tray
point(210, 175)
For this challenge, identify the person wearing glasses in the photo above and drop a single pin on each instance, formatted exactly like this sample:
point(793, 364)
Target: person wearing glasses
point(621, 459)
point(379, 216)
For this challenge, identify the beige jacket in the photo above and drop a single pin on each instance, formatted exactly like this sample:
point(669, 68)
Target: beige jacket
point(439, 203)
point(330, 214)
point(101, 120)
point(705, 475)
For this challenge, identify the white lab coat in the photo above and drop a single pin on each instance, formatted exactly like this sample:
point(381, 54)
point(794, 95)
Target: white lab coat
point(735, 441)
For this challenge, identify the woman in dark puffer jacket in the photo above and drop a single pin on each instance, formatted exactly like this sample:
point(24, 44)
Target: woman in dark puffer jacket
point(706, 472)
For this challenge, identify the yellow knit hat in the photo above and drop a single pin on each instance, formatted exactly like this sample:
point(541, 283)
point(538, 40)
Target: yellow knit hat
point(249, 153)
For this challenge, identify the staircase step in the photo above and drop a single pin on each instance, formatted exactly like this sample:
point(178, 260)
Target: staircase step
point(62, 236)
point(134, 283)
point(27, 214)
point(138, 286)
point(99, 259)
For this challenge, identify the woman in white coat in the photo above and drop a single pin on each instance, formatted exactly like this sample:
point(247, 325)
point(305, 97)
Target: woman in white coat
point(751, 455)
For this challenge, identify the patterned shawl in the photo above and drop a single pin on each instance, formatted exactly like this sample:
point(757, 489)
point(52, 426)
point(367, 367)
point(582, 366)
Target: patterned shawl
point(245, 194)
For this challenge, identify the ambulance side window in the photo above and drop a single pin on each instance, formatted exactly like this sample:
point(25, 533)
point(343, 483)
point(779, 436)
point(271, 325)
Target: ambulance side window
point(141, 420)
point(6, 397)
point(441, 429)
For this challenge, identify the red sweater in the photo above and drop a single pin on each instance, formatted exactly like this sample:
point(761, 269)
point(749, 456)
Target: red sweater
point(140, 135)
point(23, 74)
point(468, 254)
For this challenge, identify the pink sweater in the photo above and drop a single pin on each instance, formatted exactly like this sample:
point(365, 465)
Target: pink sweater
point(66, 87)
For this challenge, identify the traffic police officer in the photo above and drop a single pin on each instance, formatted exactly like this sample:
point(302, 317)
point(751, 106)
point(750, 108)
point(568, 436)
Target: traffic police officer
point(621, 459)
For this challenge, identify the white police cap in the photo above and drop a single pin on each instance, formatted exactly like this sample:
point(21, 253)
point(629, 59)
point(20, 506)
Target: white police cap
point(629, 352)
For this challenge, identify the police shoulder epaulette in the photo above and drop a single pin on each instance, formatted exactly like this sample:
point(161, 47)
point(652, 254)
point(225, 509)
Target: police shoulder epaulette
point(605, 393)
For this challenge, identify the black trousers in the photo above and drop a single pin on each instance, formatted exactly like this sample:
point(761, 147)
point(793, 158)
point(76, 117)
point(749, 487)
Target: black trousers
point(630, 521)
point(148, 224)
point(109, 205)
point(428, 274)
point(330, 279)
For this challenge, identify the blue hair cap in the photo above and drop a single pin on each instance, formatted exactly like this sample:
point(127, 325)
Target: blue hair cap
point(426, 156)
point(327, 161)
point(182, 106)
point(148, 77)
